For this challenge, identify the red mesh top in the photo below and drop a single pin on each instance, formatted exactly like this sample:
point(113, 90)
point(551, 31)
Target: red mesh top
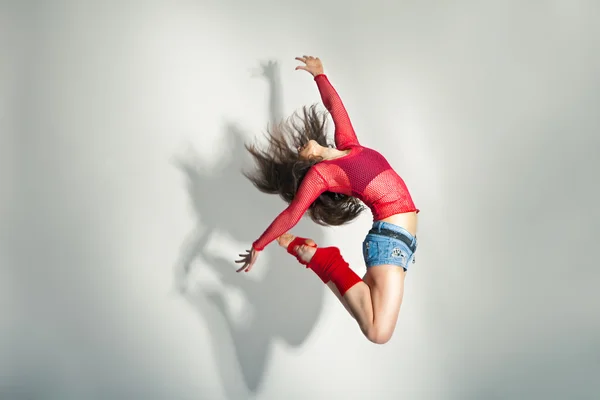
point(363, 173)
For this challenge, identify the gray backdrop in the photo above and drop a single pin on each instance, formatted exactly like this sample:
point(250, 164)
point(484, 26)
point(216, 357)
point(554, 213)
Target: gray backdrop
point(123, 206)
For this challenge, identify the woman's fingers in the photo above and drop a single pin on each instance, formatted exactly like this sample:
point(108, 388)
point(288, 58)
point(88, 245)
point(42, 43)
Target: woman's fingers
point(243, 259)
point(306, 58)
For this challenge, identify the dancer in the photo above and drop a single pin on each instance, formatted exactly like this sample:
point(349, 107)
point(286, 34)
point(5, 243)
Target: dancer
point(327, 182)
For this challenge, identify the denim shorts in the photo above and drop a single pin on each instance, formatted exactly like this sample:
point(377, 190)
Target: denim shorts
point(384, 245)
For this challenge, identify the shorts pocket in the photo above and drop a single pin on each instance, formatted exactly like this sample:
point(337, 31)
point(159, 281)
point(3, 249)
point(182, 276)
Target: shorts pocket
point(370, 251)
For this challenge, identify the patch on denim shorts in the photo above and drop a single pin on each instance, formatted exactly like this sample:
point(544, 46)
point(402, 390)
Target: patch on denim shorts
point(397, 252)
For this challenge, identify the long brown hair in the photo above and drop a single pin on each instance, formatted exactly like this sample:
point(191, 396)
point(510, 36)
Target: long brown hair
point(280, 170)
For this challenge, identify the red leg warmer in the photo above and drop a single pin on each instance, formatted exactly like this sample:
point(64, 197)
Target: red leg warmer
point(329, 265)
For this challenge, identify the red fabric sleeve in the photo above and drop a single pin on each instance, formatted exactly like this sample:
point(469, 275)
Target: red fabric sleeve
point(344, 132)
point(312, 186)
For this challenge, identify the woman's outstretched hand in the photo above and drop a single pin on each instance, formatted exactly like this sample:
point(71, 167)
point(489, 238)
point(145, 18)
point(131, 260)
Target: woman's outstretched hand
point(312, 64)
point(248, 259)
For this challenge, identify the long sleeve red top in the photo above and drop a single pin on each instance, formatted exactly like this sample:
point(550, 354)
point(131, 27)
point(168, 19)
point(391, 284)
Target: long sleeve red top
point(363, 173)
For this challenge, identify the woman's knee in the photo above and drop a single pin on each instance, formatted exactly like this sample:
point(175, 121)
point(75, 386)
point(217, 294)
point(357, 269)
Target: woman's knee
point(379, 335)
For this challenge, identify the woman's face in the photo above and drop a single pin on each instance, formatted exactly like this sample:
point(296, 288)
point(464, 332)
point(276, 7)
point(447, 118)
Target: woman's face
point(310, 149)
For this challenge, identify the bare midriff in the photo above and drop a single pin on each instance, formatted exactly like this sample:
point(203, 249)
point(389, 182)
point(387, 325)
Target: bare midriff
point(406, 220)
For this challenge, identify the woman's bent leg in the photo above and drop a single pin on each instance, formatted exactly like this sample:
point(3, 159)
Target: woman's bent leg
point(378, 301)
point(374, 302)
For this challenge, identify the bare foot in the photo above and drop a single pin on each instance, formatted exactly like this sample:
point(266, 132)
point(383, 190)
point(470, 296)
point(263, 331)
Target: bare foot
point(305, 252)
point(285, 240)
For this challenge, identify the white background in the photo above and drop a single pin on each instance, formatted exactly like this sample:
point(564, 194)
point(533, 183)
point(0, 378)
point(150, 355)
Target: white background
point(122, 127)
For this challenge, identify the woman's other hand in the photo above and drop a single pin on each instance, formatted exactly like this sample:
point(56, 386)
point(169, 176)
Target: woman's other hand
point(312, 64)
point(248, 259)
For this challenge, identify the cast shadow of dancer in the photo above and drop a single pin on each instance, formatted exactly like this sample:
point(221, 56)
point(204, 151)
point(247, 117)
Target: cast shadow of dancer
point(286, 304)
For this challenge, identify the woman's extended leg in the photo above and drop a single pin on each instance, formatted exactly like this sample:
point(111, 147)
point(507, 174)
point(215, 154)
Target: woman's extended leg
point(373, 301)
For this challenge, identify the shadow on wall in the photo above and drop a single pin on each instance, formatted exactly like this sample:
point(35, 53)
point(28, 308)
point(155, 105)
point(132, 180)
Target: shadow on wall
point(285, 305)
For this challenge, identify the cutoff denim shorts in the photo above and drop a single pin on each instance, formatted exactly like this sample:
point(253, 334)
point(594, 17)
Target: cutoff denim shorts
point(384, 245)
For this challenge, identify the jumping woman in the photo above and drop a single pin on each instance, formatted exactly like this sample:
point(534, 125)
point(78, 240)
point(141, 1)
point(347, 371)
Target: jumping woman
point(328, 182)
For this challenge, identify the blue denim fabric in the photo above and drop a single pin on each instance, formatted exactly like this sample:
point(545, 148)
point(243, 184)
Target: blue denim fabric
point(379, 249)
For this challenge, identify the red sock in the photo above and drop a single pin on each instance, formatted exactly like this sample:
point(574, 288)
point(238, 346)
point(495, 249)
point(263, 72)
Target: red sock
point(329, 265)
point(298, 241)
